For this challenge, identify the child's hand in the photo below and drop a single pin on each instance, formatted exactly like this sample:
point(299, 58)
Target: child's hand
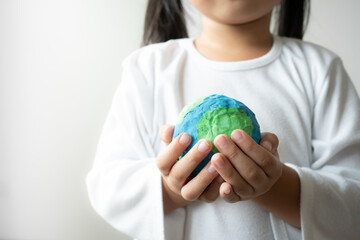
point(249, 169)
point(176, 176)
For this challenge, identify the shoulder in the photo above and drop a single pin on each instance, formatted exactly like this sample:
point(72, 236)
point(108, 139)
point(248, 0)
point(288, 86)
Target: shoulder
point(144, 65)
point(308, 52)
point(158, 53)
point(317, 61)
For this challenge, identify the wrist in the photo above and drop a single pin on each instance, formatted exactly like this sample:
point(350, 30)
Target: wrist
point(171, 200)
point(283, 198)
point(275, 187)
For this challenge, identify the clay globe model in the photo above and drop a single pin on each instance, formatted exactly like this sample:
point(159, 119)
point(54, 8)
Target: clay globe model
point(213, 115)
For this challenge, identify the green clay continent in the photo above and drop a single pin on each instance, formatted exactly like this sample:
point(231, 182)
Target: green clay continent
point(223, 120)
point(187, 109)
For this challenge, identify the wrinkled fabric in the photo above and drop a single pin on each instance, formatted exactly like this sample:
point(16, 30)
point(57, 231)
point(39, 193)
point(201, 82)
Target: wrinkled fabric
point(298, 91)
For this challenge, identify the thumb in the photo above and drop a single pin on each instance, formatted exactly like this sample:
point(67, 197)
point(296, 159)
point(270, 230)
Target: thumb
point(269, 141)
point(166, 132)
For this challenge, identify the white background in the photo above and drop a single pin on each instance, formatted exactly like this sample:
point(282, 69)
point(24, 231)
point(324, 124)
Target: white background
point(59, 67)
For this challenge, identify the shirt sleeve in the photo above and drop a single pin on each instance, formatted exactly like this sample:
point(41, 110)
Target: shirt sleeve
point(330, 187)
point(124, 185)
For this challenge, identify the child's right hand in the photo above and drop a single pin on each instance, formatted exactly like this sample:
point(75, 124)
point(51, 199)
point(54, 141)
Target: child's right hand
point(178, 190)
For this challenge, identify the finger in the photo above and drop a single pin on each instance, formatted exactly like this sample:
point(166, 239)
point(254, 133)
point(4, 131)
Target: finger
point(231, 175)
point(167, 158)
point(211, 193)
point(166, 133)
point(268, 163)
point(244, 165)
point(269, 141)
point(196, 186)
point(227, 193)
point(183, 168)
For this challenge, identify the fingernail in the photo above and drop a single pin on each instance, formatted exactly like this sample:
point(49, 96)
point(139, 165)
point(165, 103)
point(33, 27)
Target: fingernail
point(236, 135)
point(227, 191)
point(222, 141)
point(211, 169)
point(219, 162)
point(203, 146)
point(184, 139)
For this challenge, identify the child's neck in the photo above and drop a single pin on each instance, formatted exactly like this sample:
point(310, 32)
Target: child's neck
point(225, 42)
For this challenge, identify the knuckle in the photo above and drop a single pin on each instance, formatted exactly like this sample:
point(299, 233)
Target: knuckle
point(193, 157)
point(173, 187)
point(161, 164)
point(243, 191)
point(253, 174)
point(233, 153)
point(266, 162)
point(190, 156)
point(176, 177)
point(231, 175)
point(248, 146)
point(175, 149)
point(190, 161)
point(187, 194)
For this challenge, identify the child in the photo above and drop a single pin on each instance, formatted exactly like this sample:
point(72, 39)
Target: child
point(301, 182)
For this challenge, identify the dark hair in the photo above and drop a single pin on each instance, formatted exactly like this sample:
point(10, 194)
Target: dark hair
point(293, 17)
point(164, 20)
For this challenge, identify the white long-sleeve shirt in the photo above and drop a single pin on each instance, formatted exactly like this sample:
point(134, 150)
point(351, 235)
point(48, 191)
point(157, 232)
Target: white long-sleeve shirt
point(298, 91)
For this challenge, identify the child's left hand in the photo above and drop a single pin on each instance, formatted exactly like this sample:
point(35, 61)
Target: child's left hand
point(249, 169)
